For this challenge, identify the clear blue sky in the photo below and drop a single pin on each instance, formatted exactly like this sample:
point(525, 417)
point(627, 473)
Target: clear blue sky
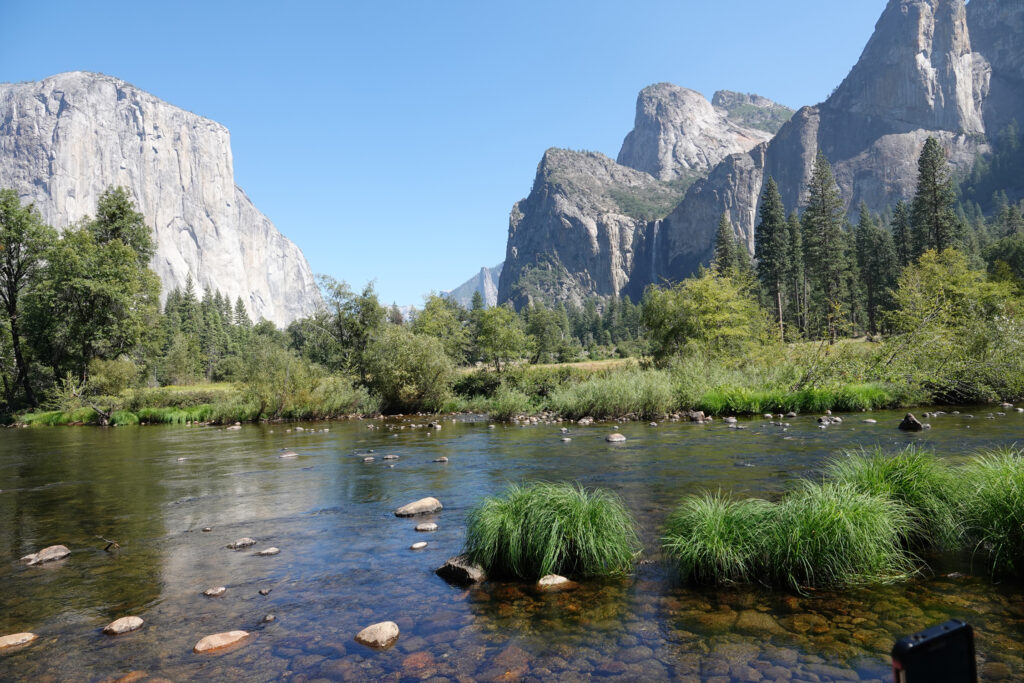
point(389, 139)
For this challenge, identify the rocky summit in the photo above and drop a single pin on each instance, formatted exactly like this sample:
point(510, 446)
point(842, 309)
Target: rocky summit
point(65, 139)
point(932, 68)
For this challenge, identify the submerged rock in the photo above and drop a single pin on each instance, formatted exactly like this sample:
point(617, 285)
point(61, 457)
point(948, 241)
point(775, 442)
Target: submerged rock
point(16, 640)
point(219, 641)
point(288, 454)
point(241, 543)
point(420, 507)
point(380, 636)
point(442, 459)
point(554, 582)
point(48, 554)
point(870, 421)
point(615, 438)
point(267, 552)
point(911, 424)
point(460, 571)
point(123, 625)
point(215, 592)
point(426, 526)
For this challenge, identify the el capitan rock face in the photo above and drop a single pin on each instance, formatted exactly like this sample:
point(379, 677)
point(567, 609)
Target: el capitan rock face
point(65, 139)
point(922, 74)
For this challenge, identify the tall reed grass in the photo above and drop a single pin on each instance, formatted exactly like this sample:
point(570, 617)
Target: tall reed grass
point(539, 529)
point(647, 394)
point(993, 508)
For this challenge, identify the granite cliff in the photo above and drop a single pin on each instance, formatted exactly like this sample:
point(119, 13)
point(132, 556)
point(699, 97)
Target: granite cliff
point(65, 139)
point(485, 282)
point(938, 68)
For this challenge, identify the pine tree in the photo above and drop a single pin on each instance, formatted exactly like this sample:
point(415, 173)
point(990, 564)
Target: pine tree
point(901, 234)
point(824, 257)
point(478, 301)
point(933, 221)
point(724, 259)
point(877, 261)
point(796, 277)
point(771, 249)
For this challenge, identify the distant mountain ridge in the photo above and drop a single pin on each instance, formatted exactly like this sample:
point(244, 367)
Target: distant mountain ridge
point(919, 76)
point(485, 282)
point(65, 139)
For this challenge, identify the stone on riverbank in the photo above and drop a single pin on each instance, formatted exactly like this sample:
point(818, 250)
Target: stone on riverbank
point(16, 640)
point(219, 641)
point(460, 571)
point(420, 507)
point(123, 625)
point(241, 543)
point(48, 554)
point(380, 636)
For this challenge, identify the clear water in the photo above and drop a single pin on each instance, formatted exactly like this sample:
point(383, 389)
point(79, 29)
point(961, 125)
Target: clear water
point(345, 560)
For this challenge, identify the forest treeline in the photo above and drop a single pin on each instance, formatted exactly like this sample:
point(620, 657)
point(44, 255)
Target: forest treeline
point(936, 282)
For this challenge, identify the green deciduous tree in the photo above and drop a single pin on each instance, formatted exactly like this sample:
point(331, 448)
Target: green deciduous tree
point(408, 371)
point(446, 321)
point(500, 336)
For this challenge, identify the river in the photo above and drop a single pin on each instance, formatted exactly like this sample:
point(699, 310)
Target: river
point(346, 562)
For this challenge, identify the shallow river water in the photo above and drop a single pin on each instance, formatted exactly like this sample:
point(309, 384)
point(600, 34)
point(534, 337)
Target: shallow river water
point(345, 560)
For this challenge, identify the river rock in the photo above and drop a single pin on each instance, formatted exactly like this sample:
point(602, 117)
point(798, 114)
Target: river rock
point(267, 552)
point(48, 554)
point(215, 592)
point(380, 636)
point(419, 545)
point(566, 439)
point(390, 457)
point(554, 582)
point(442, 459)
point(233, 428)
point(911, 424)
point(219, 641)
point(460, 571)
point(288, 454)
point(870, 421)
point(584, 421)
point(420, 507)
point(242, 543)
point(123, 625)
point(16, 640)
point(615, 438)
point(426, 526)
point(369, 458)
point(791, 414)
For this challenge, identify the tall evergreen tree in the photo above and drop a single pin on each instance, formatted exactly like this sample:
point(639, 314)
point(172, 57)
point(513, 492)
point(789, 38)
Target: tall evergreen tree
point(933, 220)
point(796, 278)
point(824, 253)
point(902, 234)
point(771, 249)
point(724, 259)
point(877, 262)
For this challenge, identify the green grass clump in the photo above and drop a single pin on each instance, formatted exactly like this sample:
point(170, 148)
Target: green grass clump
point(832, 535)
point(716, 540)
point(508, 402)
point(647, 394)
point(993, 508)
point(539, 529)
point(913, 477)
point(120, 418)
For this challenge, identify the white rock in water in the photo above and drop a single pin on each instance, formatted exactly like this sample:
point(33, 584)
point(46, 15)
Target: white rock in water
point(123, 625)
point(615, 438)
point(48, 554)
point(78, 133)
point(219, 641)
point(288, 454)
point(555, 582)
point(419, 507)
point(16, 640)
point(382, 635)
point(419, 545)
point(267, 552)
point(426, 526)
point(870, 421)
point(215, 592)
point(242, 543)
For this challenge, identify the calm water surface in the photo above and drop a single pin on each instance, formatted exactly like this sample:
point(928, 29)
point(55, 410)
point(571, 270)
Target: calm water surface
point(345, 560)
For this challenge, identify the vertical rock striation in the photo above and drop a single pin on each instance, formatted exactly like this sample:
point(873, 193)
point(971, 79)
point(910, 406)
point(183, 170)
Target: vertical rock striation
point(65, 139)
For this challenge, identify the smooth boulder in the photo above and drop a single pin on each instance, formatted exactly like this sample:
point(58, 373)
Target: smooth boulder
point(460, 571)
point(16, 640)
point(242, 543)
point(267, 552)
point(615, 438)
point(426, 526)
point(379, 636)
point(422, 506)
point(554, 582)
point(911, 424)
point(215, 592)
point(48, 554)
point(219, 641)
point(123, 625)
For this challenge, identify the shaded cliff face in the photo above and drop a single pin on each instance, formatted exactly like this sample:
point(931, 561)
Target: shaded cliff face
point(572, 237)
point(997, 34)
point(65, 139)
point(917, 77)
point(678, 134)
